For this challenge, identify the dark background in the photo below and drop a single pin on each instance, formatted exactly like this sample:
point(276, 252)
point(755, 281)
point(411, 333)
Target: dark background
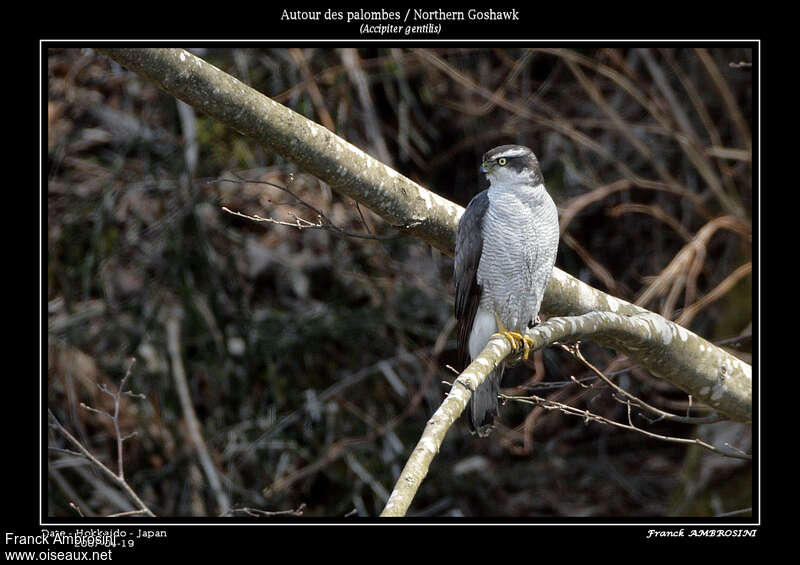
point(314, 359)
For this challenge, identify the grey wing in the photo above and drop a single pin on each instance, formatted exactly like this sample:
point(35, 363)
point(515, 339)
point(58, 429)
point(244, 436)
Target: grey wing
point(469, 246)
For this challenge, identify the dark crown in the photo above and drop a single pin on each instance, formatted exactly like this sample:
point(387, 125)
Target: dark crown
point(519, 158)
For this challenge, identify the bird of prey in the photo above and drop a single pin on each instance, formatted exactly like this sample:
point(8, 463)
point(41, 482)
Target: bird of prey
point(506, 247)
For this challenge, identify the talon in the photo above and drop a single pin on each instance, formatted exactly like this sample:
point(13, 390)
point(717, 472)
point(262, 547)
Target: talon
point(528, 343)
point(517, 340)
point(509, 336)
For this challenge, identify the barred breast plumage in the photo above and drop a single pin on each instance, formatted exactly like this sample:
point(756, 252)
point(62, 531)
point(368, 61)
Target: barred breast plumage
point(520, 240)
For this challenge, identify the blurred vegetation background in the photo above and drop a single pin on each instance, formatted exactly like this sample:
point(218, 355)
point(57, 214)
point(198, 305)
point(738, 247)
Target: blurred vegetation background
point(313, 359)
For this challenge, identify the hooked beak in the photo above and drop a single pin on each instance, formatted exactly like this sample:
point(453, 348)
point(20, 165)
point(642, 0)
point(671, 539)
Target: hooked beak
point(484, 167)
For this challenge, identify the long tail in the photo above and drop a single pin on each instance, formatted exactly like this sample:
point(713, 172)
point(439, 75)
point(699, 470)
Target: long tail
point(484, 406)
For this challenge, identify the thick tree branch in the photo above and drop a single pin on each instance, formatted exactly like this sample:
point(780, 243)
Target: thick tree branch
point(691, 363)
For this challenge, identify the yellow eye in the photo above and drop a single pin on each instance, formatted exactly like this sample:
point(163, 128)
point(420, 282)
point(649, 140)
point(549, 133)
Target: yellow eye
point(502, 161)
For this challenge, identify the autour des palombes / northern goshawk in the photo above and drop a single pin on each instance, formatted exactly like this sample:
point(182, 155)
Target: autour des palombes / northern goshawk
point(506, 247)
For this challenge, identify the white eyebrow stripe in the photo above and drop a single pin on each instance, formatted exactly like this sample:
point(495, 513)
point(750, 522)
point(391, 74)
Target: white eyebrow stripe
point(510, 153)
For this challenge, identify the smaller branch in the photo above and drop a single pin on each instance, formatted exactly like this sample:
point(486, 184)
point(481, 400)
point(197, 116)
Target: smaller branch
point(129, 436)
point(579, 383)
point(118, 480)
point(322, 222)
point(638, 402)
point(265, 513)
point(120, 439)
point(115, 396)
point(119, 477)
point(65, 451)
point(588, 416)
point(701, 443)
point(128, 513)
point(735, 512)
point(740, 451)
point(95, 410)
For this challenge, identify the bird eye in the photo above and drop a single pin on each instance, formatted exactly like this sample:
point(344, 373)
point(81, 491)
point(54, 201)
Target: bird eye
point(502, 161)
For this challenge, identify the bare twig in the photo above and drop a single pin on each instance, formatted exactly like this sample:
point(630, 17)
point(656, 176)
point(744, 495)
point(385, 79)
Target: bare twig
point(638, 402)
point(590, 416)
point(115, 418)
point(118, 480)
point(128, 513)
point(322, 221)
point(736, 512)
point(120, 439)
point(256, 512)
point(115, 396)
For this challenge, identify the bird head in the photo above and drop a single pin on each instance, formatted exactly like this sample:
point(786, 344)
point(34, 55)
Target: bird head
point(511, 164)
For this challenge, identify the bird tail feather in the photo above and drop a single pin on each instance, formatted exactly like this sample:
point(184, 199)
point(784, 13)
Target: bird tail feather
point(484, 406)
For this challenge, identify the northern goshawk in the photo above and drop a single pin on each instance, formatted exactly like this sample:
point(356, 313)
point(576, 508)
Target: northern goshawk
point(506, 247)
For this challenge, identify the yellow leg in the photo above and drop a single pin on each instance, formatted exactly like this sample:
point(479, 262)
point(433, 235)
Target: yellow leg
point(515, 338)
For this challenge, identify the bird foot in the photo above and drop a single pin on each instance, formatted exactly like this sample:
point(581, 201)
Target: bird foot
point(517, 340)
